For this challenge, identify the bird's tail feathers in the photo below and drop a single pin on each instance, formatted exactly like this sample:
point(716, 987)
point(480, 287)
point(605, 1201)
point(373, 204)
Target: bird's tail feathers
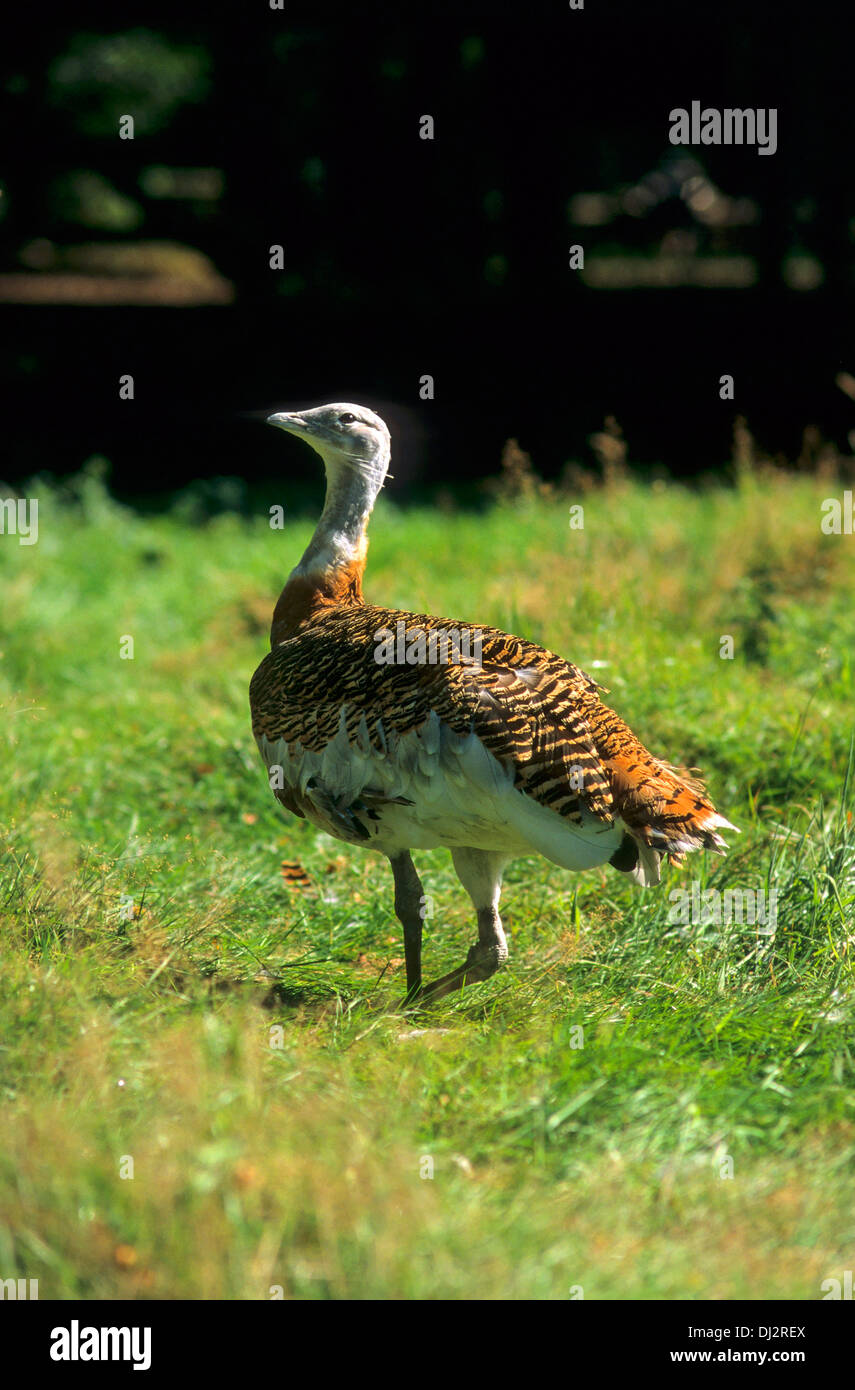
point(666, 812)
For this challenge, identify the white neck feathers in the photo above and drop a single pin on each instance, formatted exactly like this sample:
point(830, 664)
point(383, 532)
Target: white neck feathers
point(339, 538)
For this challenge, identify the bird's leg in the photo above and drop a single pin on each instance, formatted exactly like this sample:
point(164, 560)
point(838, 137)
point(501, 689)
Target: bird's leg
point(480, 872)
point(409, 900)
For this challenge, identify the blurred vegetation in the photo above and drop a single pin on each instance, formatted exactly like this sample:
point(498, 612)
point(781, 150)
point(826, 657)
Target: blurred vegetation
point(101, 78)
point(301, 109)
point(448, 256)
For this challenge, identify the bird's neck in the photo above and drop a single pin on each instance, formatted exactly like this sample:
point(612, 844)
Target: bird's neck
point(330, 572)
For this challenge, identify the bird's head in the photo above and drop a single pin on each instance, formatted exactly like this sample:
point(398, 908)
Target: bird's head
point(344, 435)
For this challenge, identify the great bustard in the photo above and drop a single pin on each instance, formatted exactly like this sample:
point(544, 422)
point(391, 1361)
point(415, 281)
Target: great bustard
point(496, 749)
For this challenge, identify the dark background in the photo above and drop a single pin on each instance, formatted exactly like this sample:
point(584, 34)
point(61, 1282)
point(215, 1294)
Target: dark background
point(406, 257)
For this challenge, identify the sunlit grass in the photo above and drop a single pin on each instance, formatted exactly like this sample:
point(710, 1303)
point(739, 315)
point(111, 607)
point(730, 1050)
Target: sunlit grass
point(167, 998)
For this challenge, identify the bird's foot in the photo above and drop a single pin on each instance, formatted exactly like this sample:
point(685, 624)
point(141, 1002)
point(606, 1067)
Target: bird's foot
point(481, 962)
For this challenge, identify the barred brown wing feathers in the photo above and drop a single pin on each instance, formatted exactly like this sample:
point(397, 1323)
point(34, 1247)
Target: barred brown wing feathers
point(522, 701)
point(530, 717)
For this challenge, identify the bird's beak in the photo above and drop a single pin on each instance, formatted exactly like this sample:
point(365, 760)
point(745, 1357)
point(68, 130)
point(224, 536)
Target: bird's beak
point(285, 421)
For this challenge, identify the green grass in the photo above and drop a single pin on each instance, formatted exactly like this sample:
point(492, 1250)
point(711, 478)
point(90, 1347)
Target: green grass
point(167, 998)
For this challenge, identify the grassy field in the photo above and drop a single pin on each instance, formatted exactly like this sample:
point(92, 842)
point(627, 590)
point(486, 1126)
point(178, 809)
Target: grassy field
point(207, 1088)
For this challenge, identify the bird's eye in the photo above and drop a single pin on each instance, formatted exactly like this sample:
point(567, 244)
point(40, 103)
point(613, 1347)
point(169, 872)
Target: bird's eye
point(347, 419)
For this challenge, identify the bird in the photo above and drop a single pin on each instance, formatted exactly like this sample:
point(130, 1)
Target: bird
point(396, 731)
